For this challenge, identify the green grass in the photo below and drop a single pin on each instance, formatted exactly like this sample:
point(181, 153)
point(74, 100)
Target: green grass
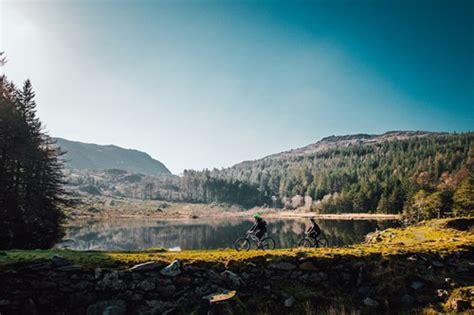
point(427, 237)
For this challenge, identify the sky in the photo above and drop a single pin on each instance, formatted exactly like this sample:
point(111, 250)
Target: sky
point(207, 84)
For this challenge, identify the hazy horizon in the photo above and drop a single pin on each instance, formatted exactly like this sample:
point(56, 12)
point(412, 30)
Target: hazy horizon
point(210, 84)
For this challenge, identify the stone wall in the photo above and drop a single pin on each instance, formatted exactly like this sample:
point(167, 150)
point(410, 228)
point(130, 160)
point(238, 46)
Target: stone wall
point(266, 284)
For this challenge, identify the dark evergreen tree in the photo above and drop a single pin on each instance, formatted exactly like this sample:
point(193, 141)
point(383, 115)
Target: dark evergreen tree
point(30, 173)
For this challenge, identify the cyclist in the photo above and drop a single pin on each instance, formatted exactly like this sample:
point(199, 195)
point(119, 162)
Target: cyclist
point(260, 227)
point(314, 230)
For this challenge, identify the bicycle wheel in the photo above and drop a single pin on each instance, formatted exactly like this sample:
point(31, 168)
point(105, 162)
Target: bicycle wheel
point(267, 243)
point(305, 243)
point(242, 244)
point(322, 242)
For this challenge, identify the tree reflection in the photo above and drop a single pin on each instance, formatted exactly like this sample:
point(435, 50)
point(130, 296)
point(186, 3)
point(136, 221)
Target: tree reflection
point(133, 234)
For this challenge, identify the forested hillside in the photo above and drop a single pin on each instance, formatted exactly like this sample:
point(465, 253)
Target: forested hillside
point(421, 174)
point(427, 173)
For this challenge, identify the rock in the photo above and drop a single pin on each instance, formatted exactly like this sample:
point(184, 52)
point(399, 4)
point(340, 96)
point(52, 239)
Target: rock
point(148, 266)
point(415, 285)
point(437, 264)
point(407, 300)
point(214, 276)
point(172, 270)
point(370, 302)
point(44, 285)
point(442, 294)
point(345, 276)
point(308, 266)
point(221, 296)
point(71, 268)
point(282, 266)
point(461, 269)
point(167, 290)
point(460, 305)
point(245, 276)
point(111, 281)
point(233, 265)
point(289, 302)
point(232, 278)
point(59, 261)
point(183, 280)
point(318, 277)
point(97, 273)
point(450, 282)
point(146, 285)
point(295, 274)
point(112, 307)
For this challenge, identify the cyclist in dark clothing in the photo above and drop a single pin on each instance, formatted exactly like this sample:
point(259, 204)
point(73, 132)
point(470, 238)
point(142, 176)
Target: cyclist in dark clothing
point(260, 226)
point(314, 230)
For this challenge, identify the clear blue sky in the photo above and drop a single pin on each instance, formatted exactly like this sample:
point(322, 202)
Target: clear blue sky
point(211, 83)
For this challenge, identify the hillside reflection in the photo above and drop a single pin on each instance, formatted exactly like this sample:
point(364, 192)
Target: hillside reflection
point(136, 234)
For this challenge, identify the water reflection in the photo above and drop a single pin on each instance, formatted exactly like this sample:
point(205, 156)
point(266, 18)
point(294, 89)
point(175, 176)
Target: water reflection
point(136, 234)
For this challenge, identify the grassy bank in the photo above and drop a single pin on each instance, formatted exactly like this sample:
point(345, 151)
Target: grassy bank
point(440, 237)
point(422, 268)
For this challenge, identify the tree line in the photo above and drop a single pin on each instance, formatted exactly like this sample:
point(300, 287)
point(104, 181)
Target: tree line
point(30, 172)
point(424, 176)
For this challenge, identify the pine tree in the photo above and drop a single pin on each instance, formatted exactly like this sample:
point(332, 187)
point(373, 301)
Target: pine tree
point(30, 173)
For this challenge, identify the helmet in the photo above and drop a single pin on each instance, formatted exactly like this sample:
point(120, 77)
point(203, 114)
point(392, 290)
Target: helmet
point(257, 216)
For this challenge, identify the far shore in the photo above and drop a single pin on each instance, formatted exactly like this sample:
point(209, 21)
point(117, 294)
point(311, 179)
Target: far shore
point(185, 211)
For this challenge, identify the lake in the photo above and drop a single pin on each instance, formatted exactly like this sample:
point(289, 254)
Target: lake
point(139, 234)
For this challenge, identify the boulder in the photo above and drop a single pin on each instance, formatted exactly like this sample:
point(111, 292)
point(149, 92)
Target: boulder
point(289, 302)
point(442, 294)
point(71, 268)
point(437, 264)
point(111, 281)
point(59, 261)
point(166, 290)
point(286, 266)
point(308, 266)
point(220, 296)
point(172, 270)
point(232, 279)
point(416, 285)
point(148, 266)
point(370, 302)
point(318, 277)
point(146, 285)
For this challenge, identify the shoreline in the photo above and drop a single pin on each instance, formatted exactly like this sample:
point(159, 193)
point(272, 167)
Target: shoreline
point(244, 214)
point(133, 209)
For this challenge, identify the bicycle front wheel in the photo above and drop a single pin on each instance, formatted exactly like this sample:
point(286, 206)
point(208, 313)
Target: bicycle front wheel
point(305, 243)
point(267, 243)
point(242, 244)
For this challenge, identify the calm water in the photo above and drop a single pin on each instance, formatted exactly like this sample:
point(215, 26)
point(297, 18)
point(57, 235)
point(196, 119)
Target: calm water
point(136, 234)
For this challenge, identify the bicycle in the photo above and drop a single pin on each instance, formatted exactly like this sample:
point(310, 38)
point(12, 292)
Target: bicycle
point(245, 243)
point(309, 242)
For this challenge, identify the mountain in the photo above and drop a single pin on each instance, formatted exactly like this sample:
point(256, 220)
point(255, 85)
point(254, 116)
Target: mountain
point(345, 141)
point(88, 156)
point(387, 173)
